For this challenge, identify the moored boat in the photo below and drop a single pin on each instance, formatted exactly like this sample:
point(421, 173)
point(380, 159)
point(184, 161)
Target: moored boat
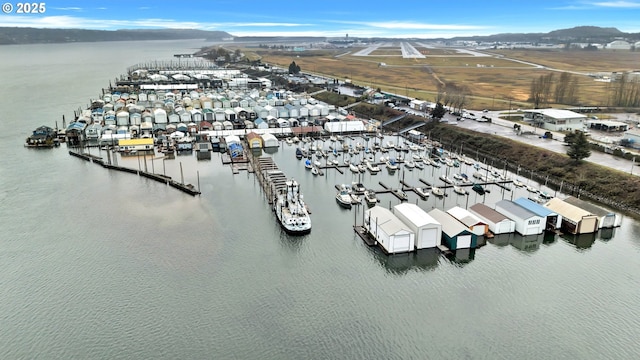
point(437, 191)
point(343, 198)
point(370, 197)
point(291, 210)
point(422, 192)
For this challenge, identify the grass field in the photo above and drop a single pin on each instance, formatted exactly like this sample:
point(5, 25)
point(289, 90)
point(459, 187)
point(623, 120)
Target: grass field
point(496, 83)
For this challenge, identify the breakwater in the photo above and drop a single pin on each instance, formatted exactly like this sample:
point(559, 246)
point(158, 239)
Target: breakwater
point(186, 188)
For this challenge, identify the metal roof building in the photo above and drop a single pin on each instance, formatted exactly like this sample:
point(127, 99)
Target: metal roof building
point(552, 219)
point(555, 119)
point(498, 223)
point(527, 222)
point(428, 231)
point(393, 235)
point(474, 223)
point(454, 233)
point(574, 219)
point(607, 219)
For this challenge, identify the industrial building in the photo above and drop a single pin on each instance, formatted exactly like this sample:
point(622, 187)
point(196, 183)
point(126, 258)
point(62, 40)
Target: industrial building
point(555, 119)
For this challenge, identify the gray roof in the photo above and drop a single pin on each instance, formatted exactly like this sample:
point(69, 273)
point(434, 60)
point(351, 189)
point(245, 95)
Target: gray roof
point(515, 209)
point(450, 225)
point(488, 213)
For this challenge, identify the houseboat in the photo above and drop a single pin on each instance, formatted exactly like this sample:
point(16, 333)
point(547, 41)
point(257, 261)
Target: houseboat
point(43, 137)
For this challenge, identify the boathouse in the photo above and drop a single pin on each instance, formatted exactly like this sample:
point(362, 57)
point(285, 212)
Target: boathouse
point(454, 234)
point(254, 140)
point(527, 222)
point(606, 218)
point(575, 220)
point(474, 223)
point(269, 140)
point(427, 230)
point(497, 222)
point(393, 235)
point(131, 145)
point(551, 219)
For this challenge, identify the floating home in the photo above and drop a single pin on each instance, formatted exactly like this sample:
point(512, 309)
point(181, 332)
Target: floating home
point(454, 234)
point(474, 223)
point(269, 140)
point(254, 140)
point(428, 231)
point(393, 235)
point(135, 145)
point(527, 222)
point(497, 222)
point(552, 220)
point(575, 220)
point(606, 218)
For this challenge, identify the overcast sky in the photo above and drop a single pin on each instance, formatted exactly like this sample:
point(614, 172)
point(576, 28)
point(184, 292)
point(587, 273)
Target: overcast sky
point(371, 18)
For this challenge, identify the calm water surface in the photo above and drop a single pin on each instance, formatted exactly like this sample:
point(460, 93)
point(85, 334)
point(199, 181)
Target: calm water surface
point(104, 265)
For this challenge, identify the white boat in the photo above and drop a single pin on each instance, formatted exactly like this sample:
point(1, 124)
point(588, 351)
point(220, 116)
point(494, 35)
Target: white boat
point(358, 188)
point(291, 210)
point(531, 189)
point(308, 164)
point(362, 168)
point(289, 141)
point(410, 164)
point(370, 197)
point(419, 165)
point(356, 199)
point(437, 191)
point(422, 192)
point(354, 168)
point(373, 168)
point(518, 183)
point(343, 198)
point(391, 165)
point(459, 190)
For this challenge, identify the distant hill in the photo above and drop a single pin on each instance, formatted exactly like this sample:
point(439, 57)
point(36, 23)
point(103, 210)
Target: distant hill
point(593, 34)
point(15, 35)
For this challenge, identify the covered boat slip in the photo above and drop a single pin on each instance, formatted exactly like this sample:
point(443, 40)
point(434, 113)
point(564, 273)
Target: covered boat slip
point(474, 223)
point(552, 221)
point(574, 219)
point(527, 222)
point(607, 219)
point(454, 233)
point(428, 231)
point(498, 223)
point(393, 235)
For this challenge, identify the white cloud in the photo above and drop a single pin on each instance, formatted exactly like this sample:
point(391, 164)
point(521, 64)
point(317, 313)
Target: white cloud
point(617, 4)
point(413, 25)
point(70, 8)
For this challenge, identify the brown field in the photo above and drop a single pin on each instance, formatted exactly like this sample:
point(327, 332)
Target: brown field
point(578, 60)
point(490, 87)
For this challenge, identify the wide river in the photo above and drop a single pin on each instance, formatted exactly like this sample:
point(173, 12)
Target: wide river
point(104, 265)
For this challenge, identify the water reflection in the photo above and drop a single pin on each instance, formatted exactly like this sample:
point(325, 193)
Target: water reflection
point(581, 241)
point(528, 243)
point(462, 257)
point(399, 264)
point(607, 234)
point(500, 240)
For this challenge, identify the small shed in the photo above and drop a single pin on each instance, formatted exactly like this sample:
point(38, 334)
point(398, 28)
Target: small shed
point(254, 140)
point(393, 235)
point(428, 232)
point(269, 140)
point(498, 223)
point(454, 234)
point(260, 123)
point(474, 223)
point(527, 223)
point(574, 219)
point(552, 220)
point(607, 219)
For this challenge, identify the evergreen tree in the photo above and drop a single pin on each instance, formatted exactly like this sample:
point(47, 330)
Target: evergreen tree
point(579, 147)
point(294, 68)
point(438, 111)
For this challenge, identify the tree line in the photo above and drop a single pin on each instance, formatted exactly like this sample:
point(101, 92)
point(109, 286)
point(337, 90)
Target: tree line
point(546, 89)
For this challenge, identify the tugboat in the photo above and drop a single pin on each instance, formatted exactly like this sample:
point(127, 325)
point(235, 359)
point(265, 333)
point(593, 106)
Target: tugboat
point(43, 137)
point(291, 210)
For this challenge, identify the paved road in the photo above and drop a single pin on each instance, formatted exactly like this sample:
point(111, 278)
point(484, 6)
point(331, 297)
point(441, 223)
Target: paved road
point(504, 128)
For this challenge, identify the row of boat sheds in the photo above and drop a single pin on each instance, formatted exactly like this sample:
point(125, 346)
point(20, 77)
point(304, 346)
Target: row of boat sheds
point(406, 227)
point(216, 112)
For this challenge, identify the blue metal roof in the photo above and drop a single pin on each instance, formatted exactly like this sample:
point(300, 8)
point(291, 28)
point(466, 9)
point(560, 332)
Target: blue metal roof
point(534, 207)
